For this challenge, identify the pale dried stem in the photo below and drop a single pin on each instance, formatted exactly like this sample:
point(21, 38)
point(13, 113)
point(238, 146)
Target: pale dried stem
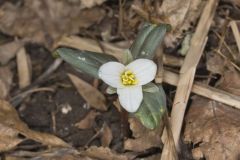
point(222, 41)
point(205, 90)
point(236, 33)
point(188, 69)
point(228, 60)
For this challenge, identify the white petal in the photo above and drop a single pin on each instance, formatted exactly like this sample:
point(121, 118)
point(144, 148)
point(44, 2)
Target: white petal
point(110, 73)
point(130, 97)
point(144, 69)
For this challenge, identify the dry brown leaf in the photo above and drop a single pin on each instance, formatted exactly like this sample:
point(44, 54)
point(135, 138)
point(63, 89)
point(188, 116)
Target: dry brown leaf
point(47, 21)
point(91, 3)
point(230, 81)
point(8, 138)
point(106, 137)
point(88, 120)
point(11, 126)
point(215, 63)
point(234, 2)
point(143, 138)
point(175, 11)
point(51, 154)
point(215, 128)
point(180, 14)
point(103, 153)
point(5, 81)
point(92, 96)
point(8, 51)
point(61, 154)
point(153, 157)
point(24, 68)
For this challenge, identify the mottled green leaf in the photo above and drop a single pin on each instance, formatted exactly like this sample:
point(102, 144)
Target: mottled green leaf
point(127, 57)
point(85, 61)
point(150, 87)
point(148, 40)
point(152, 108)
point(142, 35)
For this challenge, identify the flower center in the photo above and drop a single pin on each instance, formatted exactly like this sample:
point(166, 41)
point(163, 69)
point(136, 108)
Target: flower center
point(128, 78)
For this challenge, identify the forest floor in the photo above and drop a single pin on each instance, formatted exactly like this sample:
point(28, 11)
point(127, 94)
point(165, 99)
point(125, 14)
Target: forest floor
point(44, 116)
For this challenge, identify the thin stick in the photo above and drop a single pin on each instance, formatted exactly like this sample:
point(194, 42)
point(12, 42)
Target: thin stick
point(205, 90)
point(227, 59)
point(188, 69)
point(236, 33)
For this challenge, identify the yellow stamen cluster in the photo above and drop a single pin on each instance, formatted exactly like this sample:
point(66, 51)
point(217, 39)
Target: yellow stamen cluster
point(128, 78)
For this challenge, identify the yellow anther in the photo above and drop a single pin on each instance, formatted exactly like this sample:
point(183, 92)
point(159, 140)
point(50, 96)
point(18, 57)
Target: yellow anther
point(128, 78)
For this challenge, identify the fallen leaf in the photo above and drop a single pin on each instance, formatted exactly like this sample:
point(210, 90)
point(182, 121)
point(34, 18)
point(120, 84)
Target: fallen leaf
point(24, 68)
point(153, 157)
point(215, 63)
point(230, 81)
point(91, 3)
point(50, 154)
point(214, 127)
point(175, 11)
point(47, 21)
point(234, 2)
point(88, 120)
point(180, 14)
point(103, 153)
point(61, 154)
point(8, 139)
point(11, 126)
point(6, 77)
point(143, 137)
point(8, 51)
point(106, 137)
point(92, 96)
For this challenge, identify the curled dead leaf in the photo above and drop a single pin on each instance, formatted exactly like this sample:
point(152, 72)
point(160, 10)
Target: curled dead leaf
point(50, 154)
point(5, 81)
point(215, 63)
point(230, 81)
point(88, 120)
point(47, 21)
point(93, 96)
point(180, 14)
point(11, 126)
point(143, 137)
point(8, 51)
point(9, 138)
point(215, 128)
point(106, 137)
point(103, 153)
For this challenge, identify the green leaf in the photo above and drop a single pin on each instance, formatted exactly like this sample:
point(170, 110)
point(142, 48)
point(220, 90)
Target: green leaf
point(142, 35)
point(85, 61)
point(148, 40)
point(150, 87)
point(152, 108)
point(127, 57)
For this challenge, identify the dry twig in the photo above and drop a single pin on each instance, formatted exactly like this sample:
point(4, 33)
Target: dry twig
point(188, 69)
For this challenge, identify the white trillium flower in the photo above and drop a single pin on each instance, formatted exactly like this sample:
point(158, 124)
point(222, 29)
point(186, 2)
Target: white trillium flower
point(128, 80)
